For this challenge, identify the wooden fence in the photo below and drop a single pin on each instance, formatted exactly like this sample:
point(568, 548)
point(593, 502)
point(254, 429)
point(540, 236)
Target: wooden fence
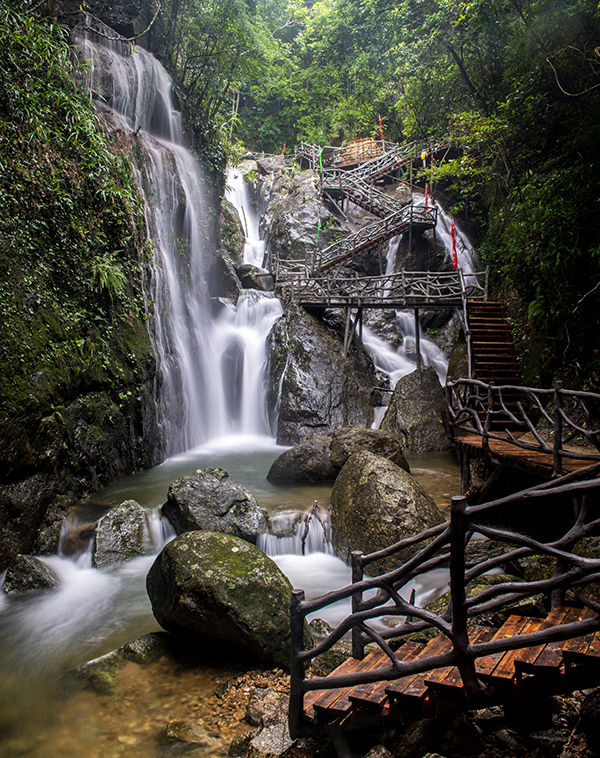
point(571, 418)
point(447, 545)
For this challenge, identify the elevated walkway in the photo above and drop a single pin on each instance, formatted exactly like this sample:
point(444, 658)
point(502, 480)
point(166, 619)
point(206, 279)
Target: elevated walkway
point(465, 663)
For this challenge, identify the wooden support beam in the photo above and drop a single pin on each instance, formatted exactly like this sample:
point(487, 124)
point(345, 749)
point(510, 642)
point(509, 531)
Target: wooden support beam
point(417, 338)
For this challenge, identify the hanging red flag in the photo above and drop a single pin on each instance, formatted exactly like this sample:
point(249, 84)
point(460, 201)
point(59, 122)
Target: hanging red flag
point(454, 255)
point(380, 127)
point(426, 195)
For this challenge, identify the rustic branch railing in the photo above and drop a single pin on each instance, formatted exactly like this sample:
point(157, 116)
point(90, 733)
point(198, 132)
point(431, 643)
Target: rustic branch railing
point(373, 234)
point(360, 192)
point(400, 290)
point(507, 412)
point(442, 546)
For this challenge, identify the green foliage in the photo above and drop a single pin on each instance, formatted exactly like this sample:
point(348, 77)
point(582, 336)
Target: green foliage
point(71, 237)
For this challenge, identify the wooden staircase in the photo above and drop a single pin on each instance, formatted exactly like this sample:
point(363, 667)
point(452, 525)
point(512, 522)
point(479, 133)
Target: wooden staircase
point(530, 672)
point(492, 351)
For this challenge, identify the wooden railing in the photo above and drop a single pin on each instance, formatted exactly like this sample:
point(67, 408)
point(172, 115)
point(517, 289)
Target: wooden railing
point(336, 181)
point(372, 234)
point(399, 290)
point(446, 546)
point(508, 412)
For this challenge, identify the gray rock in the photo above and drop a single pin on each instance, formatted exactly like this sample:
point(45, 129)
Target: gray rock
point(350, 439)
point(147, 649)
point(191, 736)
point(223, 280)
point(415, 412)
point(322, 457)
point(379, 751)
point(102, 675)
point(272, 741)
point(375, 503)
point(210, 501)
point(121, 535)
point(315, 387)
point(266, 706)
point(224, 588)
point(254, 278)
point(307, 462)
point(27, 574)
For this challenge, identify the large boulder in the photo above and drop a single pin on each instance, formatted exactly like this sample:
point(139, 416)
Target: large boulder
point(123, 534)
point(314, 386)
point(210, 501)
point(224, 588)
point(322, 457)
point(375, 503)
point(415, 412)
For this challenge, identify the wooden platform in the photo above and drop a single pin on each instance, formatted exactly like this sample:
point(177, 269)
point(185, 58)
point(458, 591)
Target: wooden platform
point(528, 672)
point(532, 461)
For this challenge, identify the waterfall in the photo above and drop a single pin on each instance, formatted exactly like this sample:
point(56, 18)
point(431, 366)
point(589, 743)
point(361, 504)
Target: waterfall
point(210, 373)
point(239, 196)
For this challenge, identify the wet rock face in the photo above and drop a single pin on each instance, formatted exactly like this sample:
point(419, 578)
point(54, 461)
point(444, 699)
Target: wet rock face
point(315, 387)
point(292, 213)
point(121, 535)
point(375, 503)
point(322, 457)
point(415, 412)
point(224, 588)
point(209, 500)
point(28, 574)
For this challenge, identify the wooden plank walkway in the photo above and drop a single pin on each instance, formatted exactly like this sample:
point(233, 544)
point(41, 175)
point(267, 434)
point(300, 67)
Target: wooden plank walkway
point(532, 461)
point(532, 671)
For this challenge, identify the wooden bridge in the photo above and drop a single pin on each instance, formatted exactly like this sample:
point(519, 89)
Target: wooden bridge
point(465, 663)
point(349, 173)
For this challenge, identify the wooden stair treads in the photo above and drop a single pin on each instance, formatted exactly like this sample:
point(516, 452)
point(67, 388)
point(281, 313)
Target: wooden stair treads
point(524, 660)
point(510, 628)
point(449, 677)
point(414, 686)
point(375, 694)
point(550, 658)
point(505, 668)
point(327, 700)
point(583, 649)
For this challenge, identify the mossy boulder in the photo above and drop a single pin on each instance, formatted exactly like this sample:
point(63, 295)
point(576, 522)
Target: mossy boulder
point(375, 503)
point(208, 500)
point(322, 457)
point(415, 412)
point(223, 588)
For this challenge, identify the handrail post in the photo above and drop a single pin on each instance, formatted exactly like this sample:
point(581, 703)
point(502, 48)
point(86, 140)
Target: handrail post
point(297, 674)
point(460, 634)
point(358, 648)
point(558, 428)
point(487, 283)
point(485, 442)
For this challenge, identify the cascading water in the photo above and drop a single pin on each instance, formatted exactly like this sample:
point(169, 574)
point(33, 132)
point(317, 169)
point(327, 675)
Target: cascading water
point(397, 362)
point(238, 195)
point(134, 91)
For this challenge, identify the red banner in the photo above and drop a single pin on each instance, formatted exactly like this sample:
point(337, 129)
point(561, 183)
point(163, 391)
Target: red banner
point(380, 128)
point(454, 255)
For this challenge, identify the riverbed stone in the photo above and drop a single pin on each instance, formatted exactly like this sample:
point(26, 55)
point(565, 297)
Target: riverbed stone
point(322, 457)
point(224, 588)
point(315, 388)
point(210, 501)
point(27, 574)
point(416, 412)
point(122, 534)
point(375, 503)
